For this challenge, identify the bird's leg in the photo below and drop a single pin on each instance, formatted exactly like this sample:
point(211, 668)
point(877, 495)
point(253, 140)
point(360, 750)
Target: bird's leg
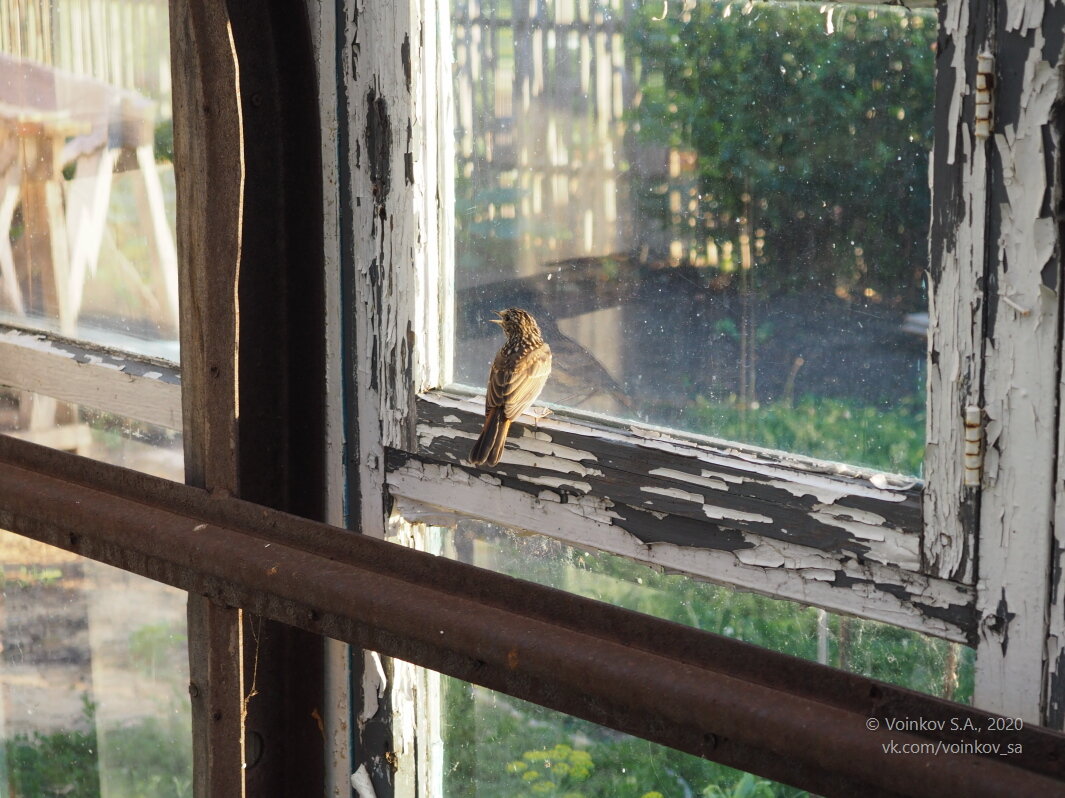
point(538, 417)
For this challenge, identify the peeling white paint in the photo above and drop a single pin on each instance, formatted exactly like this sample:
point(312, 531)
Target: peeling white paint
point(955, 307)
point(728, 514)
point(374, 685)
point(834, 515)
point(1021, 392)
point(360, 781)
point(706, 479)
point(52, 367)
point(556, 482)
point(884, 482)
point(771, 567)
point(674, 493)
point(827, 491)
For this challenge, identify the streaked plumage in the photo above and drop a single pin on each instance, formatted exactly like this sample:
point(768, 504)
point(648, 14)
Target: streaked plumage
point(518, 374)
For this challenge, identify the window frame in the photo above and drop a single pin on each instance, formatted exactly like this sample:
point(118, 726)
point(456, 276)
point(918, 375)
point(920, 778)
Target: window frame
point(663, 497)
point(925, 574)
point(229, 62)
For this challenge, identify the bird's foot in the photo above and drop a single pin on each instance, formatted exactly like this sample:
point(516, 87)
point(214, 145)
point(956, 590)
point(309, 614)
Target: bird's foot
point(542, 414)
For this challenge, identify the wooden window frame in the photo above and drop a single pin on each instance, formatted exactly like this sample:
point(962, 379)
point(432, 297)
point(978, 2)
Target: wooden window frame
point(260, 406)
point(846, 539)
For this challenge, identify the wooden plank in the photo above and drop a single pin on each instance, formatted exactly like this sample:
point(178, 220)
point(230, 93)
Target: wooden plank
point(215, 641)
point(1022, 355)
point(557, 507)
point(957, 251)
point(337, 677)
point(108, 380)
point(209, 175)
point(396, 192)
point(712, 492)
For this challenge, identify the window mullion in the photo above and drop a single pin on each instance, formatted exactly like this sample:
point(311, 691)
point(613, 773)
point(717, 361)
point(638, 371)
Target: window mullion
point(958, 242)
point(393, 203)
point(207, 134)
point(1023, 322)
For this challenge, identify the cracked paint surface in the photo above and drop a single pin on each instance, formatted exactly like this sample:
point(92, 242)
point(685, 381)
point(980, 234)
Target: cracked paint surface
point(832, 538)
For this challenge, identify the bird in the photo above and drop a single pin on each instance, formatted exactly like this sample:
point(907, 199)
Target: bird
point(517, 376)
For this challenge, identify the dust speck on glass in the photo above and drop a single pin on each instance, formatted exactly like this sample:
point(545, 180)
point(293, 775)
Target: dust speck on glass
point(718, 212)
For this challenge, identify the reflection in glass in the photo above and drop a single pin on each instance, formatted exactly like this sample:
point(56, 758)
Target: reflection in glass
point(876, 650)
point(86, 179)
point(102, 436)
point(717, 211)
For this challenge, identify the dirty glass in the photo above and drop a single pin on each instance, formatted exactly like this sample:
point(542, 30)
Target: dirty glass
point(93, 679)
point(94, 665)
point(86, 175)
point(92, 433)
point(875, 650)
point(496, 746)
point(716, 211)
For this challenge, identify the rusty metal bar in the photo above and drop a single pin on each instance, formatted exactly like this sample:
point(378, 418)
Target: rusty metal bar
point(768, 713)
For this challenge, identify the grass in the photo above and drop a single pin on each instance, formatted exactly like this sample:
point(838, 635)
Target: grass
point(493, 743)
point(886, 438)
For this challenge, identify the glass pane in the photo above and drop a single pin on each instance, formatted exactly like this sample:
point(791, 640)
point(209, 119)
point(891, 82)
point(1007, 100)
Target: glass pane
point(496, 746)
point(102, 436)
point(93, 679)
point(872, 649)
point(717, 212)
point(86, 148)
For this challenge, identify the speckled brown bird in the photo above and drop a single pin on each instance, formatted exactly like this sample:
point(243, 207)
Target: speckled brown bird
point(518, 374)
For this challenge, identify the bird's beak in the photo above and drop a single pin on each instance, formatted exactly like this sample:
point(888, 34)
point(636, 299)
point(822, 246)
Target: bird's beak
point(497, 321)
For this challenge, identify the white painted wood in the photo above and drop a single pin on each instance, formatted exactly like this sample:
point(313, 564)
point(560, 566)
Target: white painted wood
point(704, 480)
point(386, 217)
point(399, 210)
point(955, 335)
point(336, 716)
point(436, 328)
point(1021, 399)
point(770, 567)
point(64, 371)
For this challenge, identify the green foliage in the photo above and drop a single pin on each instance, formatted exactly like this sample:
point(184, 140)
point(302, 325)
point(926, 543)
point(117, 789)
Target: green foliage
point(151, 759)
point(486, 731)
point(60, 763)
point(24, 576)
point(595, 763)
point(155, 643)
point(820, 139)
point(890, 439)
point(148, 759)
point(164, 141)
point(748, 786)
point(555, 771)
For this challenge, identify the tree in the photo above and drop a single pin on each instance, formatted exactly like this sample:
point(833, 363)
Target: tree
point(812, 127)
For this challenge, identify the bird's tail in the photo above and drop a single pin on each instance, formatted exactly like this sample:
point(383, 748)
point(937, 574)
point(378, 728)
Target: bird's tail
point(489, 446)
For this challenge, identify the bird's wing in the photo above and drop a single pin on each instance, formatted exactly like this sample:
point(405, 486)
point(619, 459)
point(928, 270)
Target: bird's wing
point(515, 389)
